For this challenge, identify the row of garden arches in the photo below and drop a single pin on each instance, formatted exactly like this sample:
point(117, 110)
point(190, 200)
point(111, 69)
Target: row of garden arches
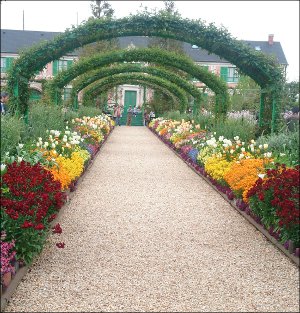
point(264, 70)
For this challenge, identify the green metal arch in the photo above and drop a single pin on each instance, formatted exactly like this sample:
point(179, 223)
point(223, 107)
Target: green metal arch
point(118, 79)
point(157, 56)
point(89, 77)
point(108, 86)
point(264, 70)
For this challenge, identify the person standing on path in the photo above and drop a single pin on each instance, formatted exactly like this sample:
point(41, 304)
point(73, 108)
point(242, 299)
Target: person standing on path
point(129, 116)
point(118, 115)
point(4, 100)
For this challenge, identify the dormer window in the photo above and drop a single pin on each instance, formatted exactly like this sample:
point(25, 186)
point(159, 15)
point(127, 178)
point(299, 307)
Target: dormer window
point(194, 47)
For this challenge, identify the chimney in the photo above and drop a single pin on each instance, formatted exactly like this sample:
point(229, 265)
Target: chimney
point(270, 39)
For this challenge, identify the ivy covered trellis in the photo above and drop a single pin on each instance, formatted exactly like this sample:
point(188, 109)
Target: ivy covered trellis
point(152, 55)
point(118, 79)
point(264, 70)
point(90, 95)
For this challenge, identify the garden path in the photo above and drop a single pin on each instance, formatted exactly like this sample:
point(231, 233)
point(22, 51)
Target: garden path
point(144, 232)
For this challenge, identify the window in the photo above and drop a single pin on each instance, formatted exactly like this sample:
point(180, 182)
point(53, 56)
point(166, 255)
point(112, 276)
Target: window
point(62, 65)
point(257, 48)
point(67, 93)
point(3, 65)
point(229, 74)
point(195, 47)
point(233, 75)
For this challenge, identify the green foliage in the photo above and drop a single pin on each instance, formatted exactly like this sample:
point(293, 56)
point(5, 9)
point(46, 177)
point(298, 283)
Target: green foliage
point(284, 145)
point(88, 111)
point(291, 95)
point(246, 95)
point(144, 55)
point(89, 77)
point(136, 78)
point(11, 129)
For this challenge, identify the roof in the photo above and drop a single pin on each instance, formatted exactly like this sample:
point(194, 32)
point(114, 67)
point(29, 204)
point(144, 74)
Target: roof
point(13, 41)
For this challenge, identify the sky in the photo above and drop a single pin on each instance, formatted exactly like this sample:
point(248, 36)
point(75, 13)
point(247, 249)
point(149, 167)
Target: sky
point(247, 20)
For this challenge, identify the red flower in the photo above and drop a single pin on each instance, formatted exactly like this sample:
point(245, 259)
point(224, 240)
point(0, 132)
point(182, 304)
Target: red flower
point(39, 226)
point(57, 229)
point(27, 224)
point(60, 245)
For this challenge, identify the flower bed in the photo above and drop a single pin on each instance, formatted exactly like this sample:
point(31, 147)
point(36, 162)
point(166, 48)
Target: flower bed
point(35, 184)
point(263, 190)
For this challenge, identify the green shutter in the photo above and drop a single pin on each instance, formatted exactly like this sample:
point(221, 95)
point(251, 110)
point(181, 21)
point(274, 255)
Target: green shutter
point(69, 63)
point(55, 68)
point(224, 73)
point(9, 62)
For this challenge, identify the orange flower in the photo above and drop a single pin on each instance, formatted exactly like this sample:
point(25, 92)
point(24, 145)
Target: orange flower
point(242, 175)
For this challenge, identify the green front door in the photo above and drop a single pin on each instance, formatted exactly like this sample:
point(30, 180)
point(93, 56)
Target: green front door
point(130, 99)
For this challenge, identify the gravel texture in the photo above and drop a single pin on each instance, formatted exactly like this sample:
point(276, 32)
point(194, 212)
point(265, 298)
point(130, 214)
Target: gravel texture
point(145, 233)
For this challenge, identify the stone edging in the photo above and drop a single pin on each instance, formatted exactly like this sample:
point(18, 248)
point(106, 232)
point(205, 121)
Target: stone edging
point(21, 272)
point(259, 227)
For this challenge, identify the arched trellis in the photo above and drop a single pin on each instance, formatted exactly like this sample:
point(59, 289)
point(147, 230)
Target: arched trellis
point(118, 79)
point(84, 80)
point(264, 70)
point(152, 55)
point(89, 96)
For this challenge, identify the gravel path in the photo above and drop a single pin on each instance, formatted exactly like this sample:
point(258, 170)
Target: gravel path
point(145, 233)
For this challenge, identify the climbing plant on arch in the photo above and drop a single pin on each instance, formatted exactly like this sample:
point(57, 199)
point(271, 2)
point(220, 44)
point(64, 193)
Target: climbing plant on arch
point(84, 80)
point(264, 70)
point(118, 79)
point(144, 55)
point(89, 96)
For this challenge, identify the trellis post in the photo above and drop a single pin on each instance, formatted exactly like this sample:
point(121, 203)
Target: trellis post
point(274, 113)
point(261, 110)
point(75, 102)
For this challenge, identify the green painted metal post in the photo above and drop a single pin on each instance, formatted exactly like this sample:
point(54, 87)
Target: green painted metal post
point(274, 113)
point(56, 97)
point(261, 110)
point(144, 97)
point(76, 102)
point(16, 95)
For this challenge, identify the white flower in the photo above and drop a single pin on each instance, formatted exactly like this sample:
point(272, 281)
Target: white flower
point(266, 146)
point(282, 154)
point(41, 139)
point(3, 167)
point(56, 142)
point(65, 139)
point(260, 146)
point(261, 175)
point(21, 145)
point(37, 144)
point(67, 132)
point(53, 146)
point(54, 151)
point(231, 151)
point(46, 144)
point(20, 159)
point(236, 138)
point(7, 153)
point(267, 154)
point(67, 127)
point(237, 146)
point(221, 138)
point(241, 156)
point(243, 143)
point(252, 141)
point(243, 149)
point(67, 145)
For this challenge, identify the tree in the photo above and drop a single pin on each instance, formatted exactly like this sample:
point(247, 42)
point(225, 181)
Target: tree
point(102, 9)
point(246, 95)
point(291, 99)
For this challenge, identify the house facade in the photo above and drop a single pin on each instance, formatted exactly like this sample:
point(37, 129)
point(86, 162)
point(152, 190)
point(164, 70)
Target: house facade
point(14, 41)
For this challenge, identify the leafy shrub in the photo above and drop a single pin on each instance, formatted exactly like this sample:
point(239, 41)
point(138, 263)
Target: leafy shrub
point(11, 130)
